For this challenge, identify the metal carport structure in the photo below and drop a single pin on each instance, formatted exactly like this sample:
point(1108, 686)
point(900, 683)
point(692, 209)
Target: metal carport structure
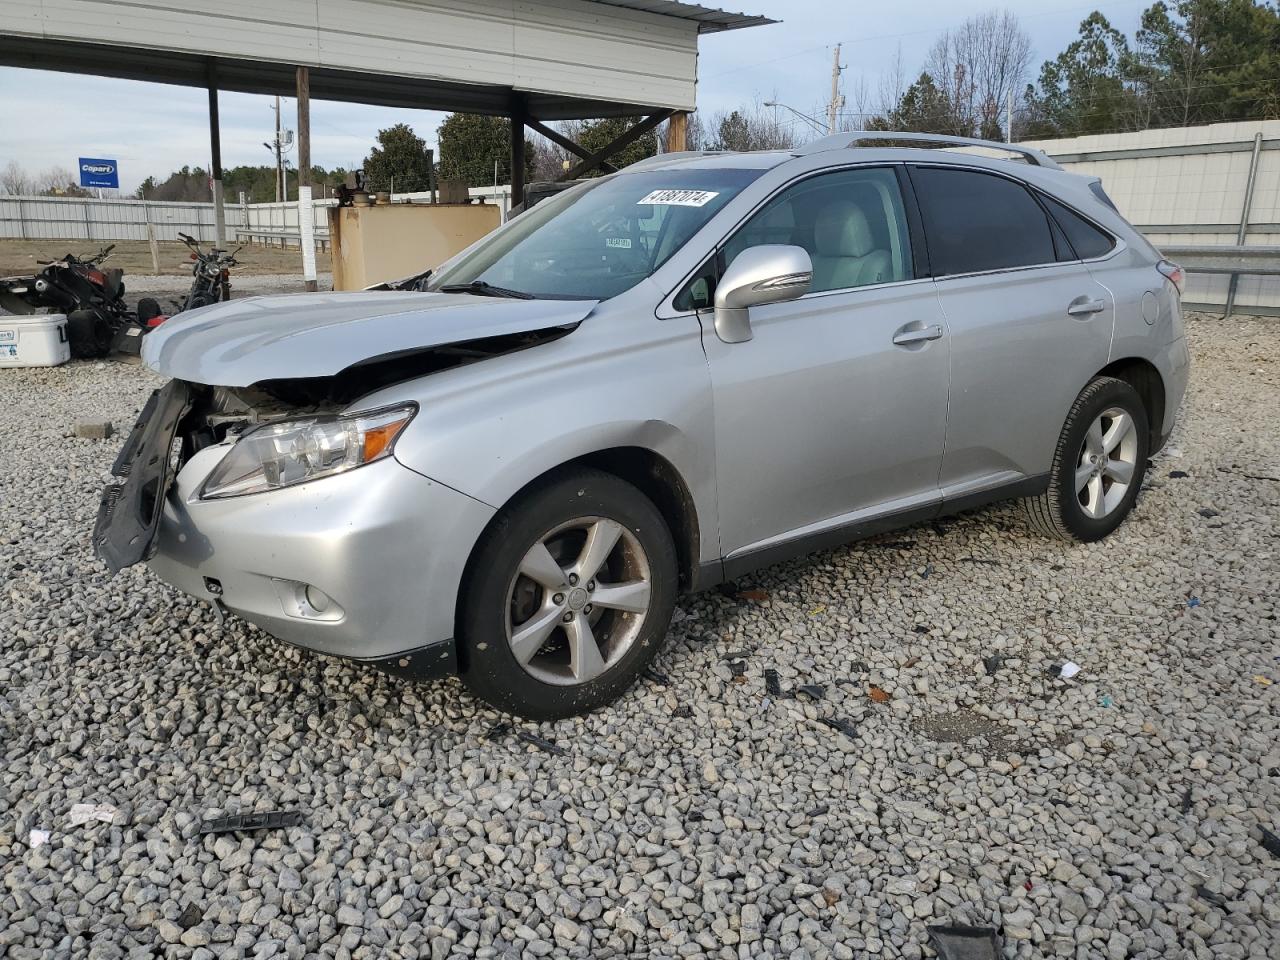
point(529, 60)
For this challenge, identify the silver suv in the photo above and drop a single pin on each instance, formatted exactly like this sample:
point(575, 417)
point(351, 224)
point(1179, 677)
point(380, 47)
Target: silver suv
point(650, 383)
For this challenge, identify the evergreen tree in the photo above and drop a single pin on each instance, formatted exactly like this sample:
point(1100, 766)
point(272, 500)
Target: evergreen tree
point(399, 160)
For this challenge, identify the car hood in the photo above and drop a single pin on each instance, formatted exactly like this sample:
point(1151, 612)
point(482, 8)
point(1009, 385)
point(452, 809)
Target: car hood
point(243, 342)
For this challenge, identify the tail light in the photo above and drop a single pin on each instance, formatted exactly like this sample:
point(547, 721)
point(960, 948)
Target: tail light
point(193, 257)
point(1174, 273)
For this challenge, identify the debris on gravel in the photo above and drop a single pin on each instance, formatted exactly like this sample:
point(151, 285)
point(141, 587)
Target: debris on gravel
point(706, 816)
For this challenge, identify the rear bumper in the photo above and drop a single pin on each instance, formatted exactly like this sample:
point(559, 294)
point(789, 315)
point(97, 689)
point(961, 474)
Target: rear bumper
point(1174, 363)
point(386, 547)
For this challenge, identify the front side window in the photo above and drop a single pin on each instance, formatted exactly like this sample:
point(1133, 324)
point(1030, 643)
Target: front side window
point(977, 222)
point(600, 239)
point(851, 222)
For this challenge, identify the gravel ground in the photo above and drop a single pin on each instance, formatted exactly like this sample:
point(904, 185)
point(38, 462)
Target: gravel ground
point(1114, 815)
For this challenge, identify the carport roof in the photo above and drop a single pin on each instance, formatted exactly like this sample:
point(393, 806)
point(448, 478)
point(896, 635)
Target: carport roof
point(710, 20)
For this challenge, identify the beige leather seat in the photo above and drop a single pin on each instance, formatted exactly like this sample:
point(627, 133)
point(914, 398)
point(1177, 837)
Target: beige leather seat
point(845, 254)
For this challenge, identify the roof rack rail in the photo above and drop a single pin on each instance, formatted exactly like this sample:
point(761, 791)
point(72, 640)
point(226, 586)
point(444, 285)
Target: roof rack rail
point(842, 141)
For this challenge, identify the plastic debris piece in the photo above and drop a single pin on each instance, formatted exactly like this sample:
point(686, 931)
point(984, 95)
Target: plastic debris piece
point(1173, 453)
point(243, 822)
point(818, 810)
point(661, 679)
point(911, 662)
point(82, 813)
point(738, 668)
point(992, 664)
point(962, 942)
point(1208, 896)
point(1270, 842)
point(817, 611)
point(928, 569)
point(1208, 513)
point(985, 561)
point(1262, 679)
point(542, 743)
point(1194, 602)
point(878, 695)
point(753, 594)
point(858, 666)
point(1105, 700)
point(684, 711)
point(736, 655)
point(920, 628)
point(847, 727)
point(815, 690)
point(1069, 670)
point(1178, 474)
point(38, 838)
point(498, 731)
point(1185, 806)
point(771, 685)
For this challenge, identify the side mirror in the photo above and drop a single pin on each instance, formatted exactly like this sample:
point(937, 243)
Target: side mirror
point(770, 273)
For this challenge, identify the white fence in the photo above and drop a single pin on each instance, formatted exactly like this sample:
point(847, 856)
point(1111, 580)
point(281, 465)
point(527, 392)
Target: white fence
point(89, 219)
point(1180, 186)
point(1187, 185)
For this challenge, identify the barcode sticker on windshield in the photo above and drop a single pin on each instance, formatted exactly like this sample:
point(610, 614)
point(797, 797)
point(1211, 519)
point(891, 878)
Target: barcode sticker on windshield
point(679, 198)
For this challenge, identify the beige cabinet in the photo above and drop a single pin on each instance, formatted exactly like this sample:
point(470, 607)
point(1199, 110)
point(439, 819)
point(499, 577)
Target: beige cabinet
point(374, 244)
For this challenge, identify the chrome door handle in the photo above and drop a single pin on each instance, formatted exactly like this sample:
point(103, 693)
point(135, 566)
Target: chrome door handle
point(909, 335)
point(1083, 307)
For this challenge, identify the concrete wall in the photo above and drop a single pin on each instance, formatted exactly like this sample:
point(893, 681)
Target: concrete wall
point(1187, 185)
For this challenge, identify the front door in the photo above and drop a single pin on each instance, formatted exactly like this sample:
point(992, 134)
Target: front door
point(835, 410)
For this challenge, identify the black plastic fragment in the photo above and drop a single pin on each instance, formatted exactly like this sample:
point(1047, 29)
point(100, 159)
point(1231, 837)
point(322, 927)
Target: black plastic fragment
point(815, 690)
point(1186, 801)
point(920, 628)
point(818, 810)
point(847, 727)
point(1178, 474)
point(661, 679)
point(992, 664)
point(962, 942)
point(735, 655)
point(771, 685)
point(1208, 896)
point(1270, 842)
point(684, 711)
point(498, 731)
point(243, 822)
point(1208, 513)
point(738, 667)
point(542, 743)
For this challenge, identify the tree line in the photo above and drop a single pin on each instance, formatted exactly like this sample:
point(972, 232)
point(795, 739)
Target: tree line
point(1189, 62)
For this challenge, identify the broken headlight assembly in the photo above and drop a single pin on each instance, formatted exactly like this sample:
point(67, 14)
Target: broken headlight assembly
point(288, 452)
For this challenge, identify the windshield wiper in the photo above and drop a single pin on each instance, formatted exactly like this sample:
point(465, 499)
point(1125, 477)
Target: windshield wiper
point(483, 288)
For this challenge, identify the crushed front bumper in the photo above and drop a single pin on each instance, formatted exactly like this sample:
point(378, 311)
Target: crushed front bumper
point(365, 565)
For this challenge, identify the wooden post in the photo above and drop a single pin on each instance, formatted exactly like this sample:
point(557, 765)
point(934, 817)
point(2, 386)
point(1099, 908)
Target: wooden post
point(215, 154)
point(518, 114)
point(306, 210)
point(678, 132)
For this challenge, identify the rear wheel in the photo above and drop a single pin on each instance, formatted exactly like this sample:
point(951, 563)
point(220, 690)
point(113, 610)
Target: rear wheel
point(568, 598)
point(1098, 466)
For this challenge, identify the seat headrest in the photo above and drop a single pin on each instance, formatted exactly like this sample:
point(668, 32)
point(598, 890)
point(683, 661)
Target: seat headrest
point(842, 230)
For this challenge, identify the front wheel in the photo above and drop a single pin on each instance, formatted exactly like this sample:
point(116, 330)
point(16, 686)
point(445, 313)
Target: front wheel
point(1098, 466)
point(568, 597)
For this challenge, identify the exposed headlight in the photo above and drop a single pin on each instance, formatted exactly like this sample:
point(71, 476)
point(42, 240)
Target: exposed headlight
point(283, 453)
point(213, 270)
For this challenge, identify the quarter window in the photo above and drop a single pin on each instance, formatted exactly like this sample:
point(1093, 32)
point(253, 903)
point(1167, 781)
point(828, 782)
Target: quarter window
point(1086, 240)
point(977, 222)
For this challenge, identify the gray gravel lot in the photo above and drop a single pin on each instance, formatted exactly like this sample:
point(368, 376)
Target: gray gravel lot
point(1115, 815)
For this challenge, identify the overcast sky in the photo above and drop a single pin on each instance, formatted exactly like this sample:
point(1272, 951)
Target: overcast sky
point(152, 129)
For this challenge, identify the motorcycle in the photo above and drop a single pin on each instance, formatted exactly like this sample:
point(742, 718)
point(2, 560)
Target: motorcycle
point(211, 274)
point(92, 298)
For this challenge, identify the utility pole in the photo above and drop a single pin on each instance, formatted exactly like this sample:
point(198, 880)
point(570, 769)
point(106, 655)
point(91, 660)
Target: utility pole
point(306, 209)
point(837, 101)
point(279, 158)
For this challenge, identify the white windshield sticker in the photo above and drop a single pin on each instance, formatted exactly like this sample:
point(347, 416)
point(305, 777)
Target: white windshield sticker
point(622, 243)
point(680, 198)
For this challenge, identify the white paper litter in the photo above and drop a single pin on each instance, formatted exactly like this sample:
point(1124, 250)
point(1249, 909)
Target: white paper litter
point(1069, 670)
point(82, 813)
point(38, 838)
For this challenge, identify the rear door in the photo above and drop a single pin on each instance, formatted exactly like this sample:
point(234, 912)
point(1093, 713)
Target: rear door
point(1028, 324)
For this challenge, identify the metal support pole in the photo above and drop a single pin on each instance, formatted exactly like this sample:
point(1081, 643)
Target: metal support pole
point(306, 210)
point(215, 153)
point(518, 114)
point(1244, 220)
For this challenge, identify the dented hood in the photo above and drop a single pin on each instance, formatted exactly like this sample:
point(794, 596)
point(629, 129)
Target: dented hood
point(243, 342)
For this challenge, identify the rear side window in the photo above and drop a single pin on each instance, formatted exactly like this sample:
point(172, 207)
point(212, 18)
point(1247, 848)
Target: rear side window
point(1086, 239)
point(978, 221)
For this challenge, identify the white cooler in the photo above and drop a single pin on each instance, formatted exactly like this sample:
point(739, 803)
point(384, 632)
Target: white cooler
point(34, 340)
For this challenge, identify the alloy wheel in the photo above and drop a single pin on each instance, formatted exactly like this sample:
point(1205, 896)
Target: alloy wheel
point(1107, 463)
point(578, 600)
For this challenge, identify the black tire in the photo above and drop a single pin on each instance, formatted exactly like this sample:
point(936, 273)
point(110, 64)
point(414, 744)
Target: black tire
point(488, 665)
point(88, 335)
point(1059, 512)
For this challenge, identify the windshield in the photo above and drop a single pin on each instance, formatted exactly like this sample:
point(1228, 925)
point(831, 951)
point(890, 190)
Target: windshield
point(600, 239)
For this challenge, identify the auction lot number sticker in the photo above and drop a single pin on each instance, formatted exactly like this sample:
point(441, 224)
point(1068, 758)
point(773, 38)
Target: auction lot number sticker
point(679, 198)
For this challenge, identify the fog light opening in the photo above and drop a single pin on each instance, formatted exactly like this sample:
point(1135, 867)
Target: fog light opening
point(316, 598)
